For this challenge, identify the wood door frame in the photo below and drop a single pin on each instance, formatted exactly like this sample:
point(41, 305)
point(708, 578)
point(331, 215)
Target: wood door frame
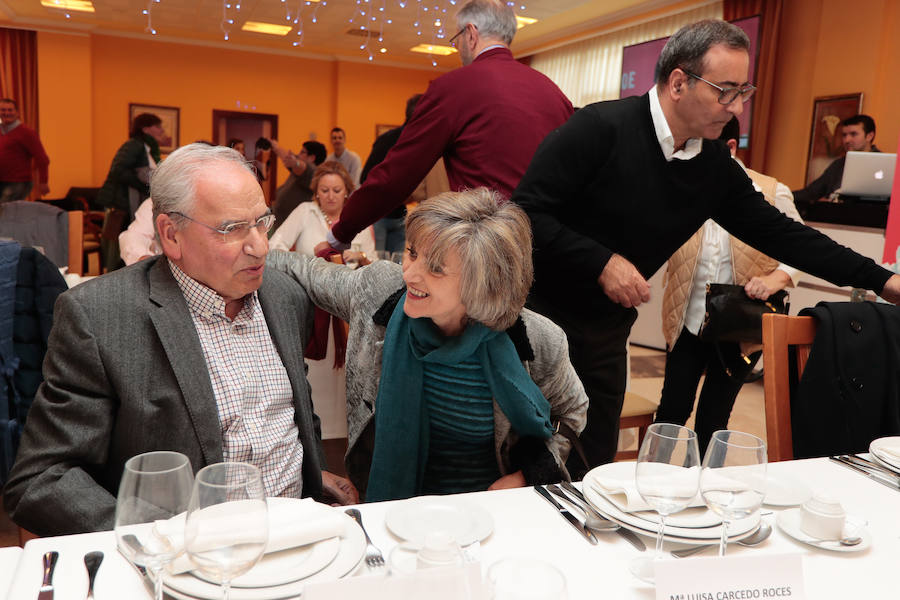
point(272, 171)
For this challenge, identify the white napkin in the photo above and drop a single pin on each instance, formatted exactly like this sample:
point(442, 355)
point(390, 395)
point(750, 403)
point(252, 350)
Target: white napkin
point(623, 492)
point(892, 450)
point(291, 524)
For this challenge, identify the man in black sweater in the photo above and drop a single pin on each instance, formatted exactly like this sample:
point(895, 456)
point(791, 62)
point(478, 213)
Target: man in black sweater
point(623, 184)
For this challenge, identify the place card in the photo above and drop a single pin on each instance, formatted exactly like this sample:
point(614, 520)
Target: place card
point(762, 577)
point(440, 583)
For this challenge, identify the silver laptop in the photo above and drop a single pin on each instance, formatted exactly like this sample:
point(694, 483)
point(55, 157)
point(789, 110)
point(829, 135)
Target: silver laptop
point(868, 174)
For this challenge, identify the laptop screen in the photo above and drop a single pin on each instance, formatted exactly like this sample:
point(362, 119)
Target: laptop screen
point(869, 174)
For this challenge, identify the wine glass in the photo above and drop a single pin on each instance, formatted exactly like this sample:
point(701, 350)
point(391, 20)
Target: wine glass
point(733, 479)
point(155, 486)
point(667, 475)
point(227, 524)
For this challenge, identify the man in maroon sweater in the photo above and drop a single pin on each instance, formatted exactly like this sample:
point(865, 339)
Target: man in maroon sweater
point(486, 119)
point(19, 145)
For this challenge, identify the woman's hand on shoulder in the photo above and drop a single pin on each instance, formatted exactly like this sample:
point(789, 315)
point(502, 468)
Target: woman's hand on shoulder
point(513, 480)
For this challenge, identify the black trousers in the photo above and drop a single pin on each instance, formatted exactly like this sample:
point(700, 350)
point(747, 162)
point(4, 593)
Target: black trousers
point(685, 363)
point(598, 353)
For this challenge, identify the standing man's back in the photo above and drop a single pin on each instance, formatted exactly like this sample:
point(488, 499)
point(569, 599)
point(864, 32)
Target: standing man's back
point(485, 119)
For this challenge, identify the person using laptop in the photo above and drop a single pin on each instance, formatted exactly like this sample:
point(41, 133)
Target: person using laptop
point(858, 134)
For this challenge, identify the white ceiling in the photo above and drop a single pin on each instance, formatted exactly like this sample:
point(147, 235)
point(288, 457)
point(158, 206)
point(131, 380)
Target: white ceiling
point(200, 22)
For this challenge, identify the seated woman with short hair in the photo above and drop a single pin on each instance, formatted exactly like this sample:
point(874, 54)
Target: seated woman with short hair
point(469, 386)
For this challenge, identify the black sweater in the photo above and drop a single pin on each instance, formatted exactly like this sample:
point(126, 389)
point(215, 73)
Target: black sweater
point(600, 185)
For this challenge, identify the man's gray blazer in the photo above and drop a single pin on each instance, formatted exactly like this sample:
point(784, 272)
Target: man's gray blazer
point(125, 374)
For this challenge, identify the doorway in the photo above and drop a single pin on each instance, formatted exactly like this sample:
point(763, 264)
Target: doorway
point(251, 127)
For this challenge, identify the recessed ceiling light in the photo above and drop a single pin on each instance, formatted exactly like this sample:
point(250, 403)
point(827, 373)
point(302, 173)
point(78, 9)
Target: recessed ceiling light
point(433, 49)
point(79, 5)
point(269, 28)
point(523, 21)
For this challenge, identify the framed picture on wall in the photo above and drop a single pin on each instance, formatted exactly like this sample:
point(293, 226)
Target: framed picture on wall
point(825, 143)
point(169, 117)
point(381, 128)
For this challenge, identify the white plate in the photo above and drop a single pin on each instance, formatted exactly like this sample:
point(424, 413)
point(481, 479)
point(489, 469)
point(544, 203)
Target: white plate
point(692, 517)
point(412, 519)
point(883, 463)
point(351, 552)
point(876, 449)
point(789, 522)
point(785, 492)
point(688, 535)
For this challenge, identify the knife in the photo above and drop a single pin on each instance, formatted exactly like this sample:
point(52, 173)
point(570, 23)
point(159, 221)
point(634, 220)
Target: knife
point(46, 591)
point(626, 534)
point(868, 464)
point(573, 521)
point(874, 476)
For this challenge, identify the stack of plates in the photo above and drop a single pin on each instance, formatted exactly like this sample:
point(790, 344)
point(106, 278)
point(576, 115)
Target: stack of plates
point(886, 451)
point(281, 574)
point(697, 526)
point(464, 521)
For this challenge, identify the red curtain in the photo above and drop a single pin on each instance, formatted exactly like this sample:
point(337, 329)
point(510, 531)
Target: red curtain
point(770, 12)
point(18, 77)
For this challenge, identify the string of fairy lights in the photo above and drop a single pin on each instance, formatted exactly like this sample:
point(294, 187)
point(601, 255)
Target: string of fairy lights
point(372, 20)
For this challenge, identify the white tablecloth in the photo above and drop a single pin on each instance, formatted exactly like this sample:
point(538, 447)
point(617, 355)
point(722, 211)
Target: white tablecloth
point(525, 525)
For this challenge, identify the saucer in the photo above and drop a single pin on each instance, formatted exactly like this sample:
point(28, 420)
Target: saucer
point(789, 522)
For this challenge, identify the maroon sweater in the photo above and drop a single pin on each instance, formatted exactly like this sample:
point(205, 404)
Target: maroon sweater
point(17, 148)
point(486, 119)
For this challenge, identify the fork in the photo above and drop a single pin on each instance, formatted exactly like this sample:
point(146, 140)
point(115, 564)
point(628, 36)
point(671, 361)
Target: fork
point(374, 557)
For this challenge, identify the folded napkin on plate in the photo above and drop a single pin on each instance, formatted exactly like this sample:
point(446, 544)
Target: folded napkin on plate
point(623, 491)
point(291, 524)
point(891, 450)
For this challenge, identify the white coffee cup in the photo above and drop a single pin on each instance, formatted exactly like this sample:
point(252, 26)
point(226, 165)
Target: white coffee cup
point(822, 517)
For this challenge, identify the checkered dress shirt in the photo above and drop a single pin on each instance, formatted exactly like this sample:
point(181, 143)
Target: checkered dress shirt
point(251, 386)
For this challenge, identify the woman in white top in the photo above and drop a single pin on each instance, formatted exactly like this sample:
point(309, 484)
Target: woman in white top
point(308, 224)
point(305, 227)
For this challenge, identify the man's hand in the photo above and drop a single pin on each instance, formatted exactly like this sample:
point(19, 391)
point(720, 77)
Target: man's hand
point(513, 480)
point(891, 291)
point(321, 247)
point(623, 283)
point(44, 189)
point(339, 489)
point(763, 287)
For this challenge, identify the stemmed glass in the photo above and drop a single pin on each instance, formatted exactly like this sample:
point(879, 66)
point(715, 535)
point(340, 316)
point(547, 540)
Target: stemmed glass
point(667, 475)
point(155, 486)
point(733, 479)
point(227, 524)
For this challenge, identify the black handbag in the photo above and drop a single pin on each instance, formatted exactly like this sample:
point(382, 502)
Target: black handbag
point(732, 316)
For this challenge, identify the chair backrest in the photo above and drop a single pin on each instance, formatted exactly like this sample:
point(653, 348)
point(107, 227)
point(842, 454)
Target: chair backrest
point(37, 224)
point(76, 242)
point(778, 333)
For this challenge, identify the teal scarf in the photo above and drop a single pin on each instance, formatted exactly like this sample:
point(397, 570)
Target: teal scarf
point(401, 420)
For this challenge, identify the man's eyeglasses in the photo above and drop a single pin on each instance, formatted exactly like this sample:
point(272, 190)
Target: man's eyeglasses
point(452, 41)
point(729, 94)
point(235, 232)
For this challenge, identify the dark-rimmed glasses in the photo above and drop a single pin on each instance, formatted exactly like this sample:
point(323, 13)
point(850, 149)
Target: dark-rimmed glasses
point(452, 41)
point(727, 95)
point(236, 231)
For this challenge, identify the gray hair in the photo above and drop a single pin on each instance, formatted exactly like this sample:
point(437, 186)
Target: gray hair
point(493, 240)
point(494, 19)
point(687, 48)
point(173, 183)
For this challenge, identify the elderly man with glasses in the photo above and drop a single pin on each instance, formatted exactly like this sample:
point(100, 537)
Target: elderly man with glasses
point(623, 184)
point(197, 351)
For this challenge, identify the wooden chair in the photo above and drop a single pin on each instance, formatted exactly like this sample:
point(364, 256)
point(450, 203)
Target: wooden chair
point(779, 332)
point(82, 245)
point(639, 412)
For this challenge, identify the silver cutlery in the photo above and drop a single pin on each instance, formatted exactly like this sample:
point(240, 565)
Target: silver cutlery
point(892, 482)
point(92, 562)
point(374, 557)
point(46, 591)
point(761, 534)
point(629, 536)
point(868, 464)
point(572, 519)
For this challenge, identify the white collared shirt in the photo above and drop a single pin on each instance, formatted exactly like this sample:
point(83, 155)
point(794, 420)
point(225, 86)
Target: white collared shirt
point(664, 135)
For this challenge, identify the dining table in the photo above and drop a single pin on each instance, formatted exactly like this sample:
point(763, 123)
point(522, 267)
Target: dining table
point(524, 525)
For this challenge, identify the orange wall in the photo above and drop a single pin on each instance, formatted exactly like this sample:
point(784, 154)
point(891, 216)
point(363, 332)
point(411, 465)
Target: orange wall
point(87, 82)
point(831, 47)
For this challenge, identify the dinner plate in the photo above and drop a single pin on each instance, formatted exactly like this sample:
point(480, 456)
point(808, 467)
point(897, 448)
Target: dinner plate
point(691, 517)
point(789, 522)
point(687, 535)
point(350, 553)
point(785, 492)
point(883, 463)
point(413, 519)
point(876, 448)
